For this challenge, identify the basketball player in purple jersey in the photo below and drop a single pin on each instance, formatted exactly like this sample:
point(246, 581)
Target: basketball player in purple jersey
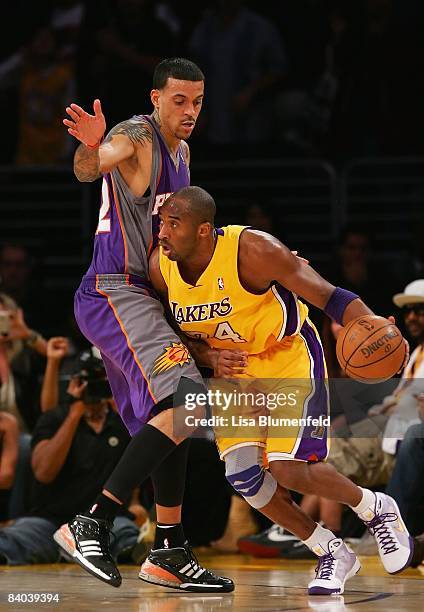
point(142, 160)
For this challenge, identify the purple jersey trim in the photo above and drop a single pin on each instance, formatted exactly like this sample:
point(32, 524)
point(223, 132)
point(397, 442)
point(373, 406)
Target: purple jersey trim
point(292, 309)
point(313, 446)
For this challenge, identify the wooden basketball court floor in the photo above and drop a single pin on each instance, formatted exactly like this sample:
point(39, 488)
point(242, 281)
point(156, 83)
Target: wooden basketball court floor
point(261, 584)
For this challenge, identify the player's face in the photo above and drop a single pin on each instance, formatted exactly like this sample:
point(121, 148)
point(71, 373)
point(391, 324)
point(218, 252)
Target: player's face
point(414, 320)
point(178, 233)
point(178, 105)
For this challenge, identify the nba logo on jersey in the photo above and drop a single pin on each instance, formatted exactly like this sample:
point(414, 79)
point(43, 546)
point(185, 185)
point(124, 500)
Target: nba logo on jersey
point(221, 284)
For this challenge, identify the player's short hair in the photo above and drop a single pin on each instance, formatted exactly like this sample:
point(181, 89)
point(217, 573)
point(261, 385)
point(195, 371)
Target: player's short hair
point(200, 203)
point(176, 68)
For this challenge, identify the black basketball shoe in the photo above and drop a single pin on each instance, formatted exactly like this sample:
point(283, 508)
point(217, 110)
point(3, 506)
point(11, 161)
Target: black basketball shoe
point(86, 540)
point(273, 542)
point(178, 568)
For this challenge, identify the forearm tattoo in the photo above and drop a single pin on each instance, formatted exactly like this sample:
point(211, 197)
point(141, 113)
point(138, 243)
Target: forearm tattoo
point(137, 131)
point(86, 164)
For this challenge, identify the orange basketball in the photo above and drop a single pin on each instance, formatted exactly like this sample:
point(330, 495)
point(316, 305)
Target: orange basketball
point(370, 349)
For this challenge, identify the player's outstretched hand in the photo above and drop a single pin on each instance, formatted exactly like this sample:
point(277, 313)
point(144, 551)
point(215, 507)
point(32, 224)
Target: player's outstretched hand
point(88, 129)
point(405, 361)
point(229, 363)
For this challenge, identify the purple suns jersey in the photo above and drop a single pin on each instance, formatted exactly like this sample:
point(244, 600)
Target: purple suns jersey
point(129, 225)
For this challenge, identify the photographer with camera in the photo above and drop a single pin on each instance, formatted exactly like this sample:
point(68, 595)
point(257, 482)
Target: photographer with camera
point(74, 448)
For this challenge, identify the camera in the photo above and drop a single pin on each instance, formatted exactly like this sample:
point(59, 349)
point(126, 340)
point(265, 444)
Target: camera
point(4, 323)
point(92, 371)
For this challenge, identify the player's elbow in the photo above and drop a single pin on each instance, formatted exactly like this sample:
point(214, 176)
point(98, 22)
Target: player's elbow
point(86, 177)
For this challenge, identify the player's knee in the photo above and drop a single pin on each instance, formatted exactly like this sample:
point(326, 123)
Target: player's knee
point(254, 483)
point(186, 397)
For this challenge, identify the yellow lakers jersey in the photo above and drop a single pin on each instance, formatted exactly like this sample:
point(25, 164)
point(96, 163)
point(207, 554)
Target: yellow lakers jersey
point(219, 310)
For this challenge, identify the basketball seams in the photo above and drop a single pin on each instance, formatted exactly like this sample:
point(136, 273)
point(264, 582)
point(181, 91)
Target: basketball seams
point(365, 365)
point(388, 324)
point(346, 331)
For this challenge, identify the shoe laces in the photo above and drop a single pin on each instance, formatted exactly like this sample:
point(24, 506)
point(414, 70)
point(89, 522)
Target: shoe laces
point(325, 568)
point(194, 562)
point(378, 528)
point(94, 530)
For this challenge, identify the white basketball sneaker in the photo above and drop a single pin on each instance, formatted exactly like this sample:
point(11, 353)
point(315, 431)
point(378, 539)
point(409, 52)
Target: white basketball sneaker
point(385, 523)
point(333, 569)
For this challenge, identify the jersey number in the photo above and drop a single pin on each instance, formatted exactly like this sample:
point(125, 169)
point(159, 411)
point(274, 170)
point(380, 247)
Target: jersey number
point(223, 331)
point(104, 218)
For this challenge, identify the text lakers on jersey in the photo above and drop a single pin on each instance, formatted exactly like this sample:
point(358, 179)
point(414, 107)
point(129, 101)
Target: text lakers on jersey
point(219, 310)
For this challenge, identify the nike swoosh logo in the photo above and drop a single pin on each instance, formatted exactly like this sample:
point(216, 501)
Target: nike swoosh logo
point(195, 286)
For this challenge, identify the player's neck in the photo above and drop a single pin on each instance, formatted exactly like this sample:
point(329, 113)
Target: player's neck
point(192, 268)
point(172, 141)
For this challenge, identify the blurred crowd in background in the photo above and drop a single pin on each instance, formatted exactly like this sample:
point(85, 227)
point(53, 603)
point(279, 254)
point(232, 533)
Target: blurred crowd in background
point(336, 78)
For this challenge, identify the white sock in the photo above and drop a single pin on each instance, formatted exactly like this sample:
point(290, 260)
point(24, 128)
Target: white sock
point(366, 507)
point(318, 540)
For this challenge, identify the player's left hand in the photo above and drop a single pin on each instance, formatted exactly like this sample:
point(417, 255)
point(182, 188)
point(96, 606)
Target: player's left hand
point(229, 363)
point(405, 361)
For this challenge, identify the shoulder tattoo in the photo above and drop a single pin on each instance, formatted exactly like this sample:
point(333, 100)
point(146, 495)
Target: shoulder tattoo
point(137, 131)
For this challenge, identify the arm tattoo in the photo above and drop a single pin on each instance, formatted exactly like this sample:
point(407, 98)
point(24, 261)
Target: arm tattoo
point(137, 131)
point(86, 164)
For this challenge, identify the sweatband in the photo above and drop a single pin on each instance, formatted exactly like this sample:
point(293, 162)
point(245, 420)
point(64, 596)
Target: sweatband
point(338, 302)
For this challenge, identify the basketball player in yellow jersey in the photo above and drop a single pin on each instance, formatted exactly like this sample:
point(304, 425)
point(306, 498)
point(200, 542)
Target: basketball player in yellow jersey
point(236, 289)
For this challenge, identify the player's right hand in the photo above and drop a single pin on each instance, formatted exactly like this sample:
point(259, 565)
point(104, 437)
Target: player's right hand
point(229, 363)
point(88, 129)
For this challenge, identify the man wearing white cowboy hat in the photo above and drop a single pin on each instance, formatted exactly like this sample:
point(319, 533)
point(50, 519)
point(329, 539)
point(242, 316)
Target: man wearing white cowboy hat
point(406, 481)
point(403, 403)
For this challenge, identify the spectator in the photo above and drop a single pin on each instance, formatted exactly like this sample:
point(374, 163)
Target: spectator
point(45, 82)
point(242, 54)
point(21, 280)
point(123, 51)
point(406, 482)
point(74, 448)
point(355, 269)
point(19, 348)
point(57, 350)
point(66, 20)
point(260, 217)
point(9, 445)
point(312, 31)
